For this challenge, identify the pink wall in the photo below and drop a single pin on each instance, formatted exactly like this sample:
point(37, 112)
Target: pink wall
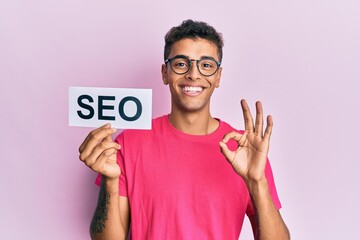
point(300, 57)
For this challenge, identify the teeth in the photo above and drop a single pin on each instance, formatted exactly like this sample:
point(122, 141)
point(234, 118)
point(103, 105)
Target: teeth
point(192, 89)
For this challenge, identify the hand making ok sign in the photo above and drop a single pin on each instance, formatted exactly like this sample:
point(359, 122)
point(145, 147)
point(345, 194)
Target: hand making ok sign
point(249, 159)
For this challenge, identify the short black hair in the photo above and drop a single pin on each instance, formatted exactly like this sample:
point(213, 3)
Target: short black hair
point(193, 29)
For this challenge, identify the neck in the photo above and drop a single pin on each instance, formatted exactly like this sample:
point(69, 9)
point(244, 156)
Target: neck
point(193, 123)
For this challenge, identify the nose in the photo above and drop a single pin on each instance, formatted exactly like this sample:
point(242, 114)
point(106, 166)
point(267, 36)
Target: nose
point(193, 73)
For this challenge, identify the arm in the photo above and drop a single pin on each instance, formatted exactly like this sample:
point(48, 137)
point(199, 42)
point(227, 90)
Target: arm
point(249, 161)
point(254, 226)
point(267, 223)
point(111, 218)
point(112, 215)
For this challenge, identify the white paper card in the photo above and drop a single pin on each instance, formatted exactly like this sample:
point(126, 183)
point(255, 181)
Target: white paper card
point(123, 108)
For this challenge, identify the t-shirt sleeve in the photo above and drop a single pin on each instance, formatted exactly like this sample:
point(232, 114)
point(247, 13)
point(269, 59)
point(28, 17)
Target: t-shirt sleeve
point(250, 211)
point(120, 160)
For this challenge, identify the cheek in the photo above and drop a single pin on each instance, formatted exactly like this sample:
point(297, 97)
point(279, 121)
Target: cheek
point(173, 78)
point(213, 82)
point(216, 80)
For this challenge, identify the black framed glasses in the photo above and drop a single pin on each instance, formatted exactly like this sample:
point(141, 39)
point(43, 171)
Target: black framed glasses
point(180, 64)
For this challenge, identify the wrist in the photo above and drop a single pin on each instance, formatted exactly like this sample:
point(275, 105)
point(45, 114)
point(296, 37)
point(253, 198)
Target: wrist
point(257, 188)
point(111, 184)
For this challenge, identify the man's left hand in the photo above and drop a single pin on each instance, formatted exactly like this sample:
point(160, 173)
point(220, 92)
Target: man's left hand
point(249, 159)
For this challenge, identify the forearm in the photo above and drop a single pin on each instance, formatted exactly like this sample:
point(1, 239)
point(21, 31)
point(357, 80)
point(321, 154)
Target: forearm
point(270, 224)
point(106, 222)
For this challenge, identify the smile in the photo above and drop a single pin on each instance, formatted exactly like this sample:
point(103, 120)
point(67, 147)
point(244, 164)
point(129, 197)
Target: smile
point(192, 90)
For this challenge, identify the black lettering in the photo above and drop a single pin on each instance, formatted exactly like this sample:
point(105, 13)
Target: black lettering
point(85, 106)
point(101, 107)
point(138, 106)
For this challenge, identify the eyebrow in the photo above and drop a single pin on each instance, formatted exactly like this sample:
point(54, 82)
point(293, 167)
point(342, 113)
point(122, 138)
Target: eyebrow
point(181, 56)
point(208, 57)
point(201, 58)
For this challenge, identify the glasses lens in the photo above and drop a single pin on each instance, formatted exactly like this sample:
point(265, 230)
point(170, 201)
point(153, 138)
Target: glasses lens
point(207, 67)
point(180, 65)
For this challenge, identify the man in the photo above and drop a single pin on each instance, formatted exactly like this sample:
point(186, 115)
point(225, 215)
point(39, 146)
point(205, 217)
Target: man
point(174, 181)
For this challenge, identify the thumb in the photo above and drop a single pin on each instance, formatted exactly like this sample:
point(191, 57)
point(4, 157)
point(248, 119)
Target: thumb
point(226, 151)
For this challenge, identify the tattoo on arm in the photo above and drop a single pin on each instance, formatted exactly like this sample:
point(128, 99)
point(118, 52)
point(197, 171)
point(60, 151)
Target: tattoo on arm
point(101, 213)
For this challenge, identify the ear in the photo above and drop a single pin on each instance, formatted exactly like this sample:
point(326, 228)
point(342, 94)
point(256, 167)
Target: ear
point(164, 74)
point(218, 77)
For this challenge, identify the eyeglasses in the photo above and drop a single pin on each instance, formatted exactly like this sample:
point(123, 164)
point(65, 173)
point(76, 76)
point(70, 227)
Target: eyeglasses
point(207, 66)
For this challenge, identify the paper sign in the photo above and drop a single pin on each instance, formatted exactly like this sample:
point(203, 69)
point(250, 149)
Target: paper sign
point(123, 108)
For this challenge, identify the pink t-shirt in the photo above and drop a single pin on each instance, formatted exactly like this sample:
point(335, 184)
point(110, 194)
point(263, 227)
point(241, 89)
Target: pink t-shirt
point(180, 186)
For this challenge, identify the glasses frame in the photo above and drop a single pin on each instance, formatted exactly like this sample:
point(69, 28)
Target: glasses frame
point(169, 60)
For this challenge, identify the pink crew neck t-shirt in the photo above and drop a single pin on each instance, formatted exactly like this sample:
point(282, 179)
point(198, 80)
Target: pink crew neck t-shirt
point(180, 186)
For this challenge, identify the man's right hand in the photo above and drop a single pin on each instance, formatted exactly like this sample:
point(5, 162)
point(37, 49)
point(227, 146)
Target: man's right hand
point(98, 152)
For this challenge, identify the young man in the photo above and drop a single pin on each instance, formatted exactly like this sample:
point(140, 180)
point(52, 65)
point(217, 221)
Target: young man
point(191, 176)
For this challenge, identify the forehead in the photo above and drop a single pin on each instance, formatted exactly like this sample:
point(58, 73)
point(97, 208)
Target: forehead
point(194, 48)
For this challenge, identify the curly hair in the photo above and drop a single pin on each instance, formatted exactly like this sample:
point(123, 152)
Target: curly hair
point(193, 29)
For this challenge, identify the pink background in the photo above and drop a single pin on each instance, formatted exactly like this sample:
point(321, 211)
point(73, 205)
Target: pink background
point(301, 58)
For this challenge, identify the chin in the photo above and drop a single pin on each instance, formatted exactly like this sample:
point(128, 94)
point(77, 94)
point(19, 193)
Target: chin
point(192, 108)
point(190, 105)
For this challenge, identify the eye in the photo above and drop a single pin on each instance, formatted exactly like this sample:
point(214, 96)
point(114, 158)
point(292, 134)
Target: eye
point(180, 63)
point(207, 64)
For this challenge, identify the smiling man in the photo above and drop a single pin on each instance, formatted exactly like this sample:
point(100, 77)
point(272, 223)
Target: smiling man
point(192, 176)
point(192, 83)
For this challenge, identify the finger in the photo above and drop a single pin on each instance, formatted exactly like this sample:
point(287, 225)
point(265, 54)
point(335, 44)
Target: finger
point(232, 135)
point(259, 121)
point(229, 155)
point(82, 146)
point(268, 129)
point(99, 165)
point(249, 123)
point(98, 150)
point(108, 138)
point(94, 138)
point(91, 160)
